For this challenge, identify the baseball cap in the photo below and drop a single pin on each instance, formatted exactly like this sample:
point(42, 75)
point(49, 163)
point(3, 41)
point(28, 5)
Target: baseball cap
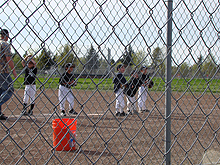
point(119, 66)
point(30, 59)
point(68, 65)
point(143, 67)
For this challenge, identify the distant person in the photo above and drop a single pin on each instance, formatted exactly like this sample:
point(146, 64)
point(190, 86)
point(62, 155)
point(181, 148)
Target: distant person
point(130, 91)
point(65, 92)
point(30, 85)
point(119, 81)
point(6, 86)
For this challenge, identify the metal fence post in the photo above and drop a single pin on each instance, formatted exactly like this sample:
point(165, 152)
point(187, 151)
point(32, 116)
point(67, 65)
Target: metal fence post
point(168, 83)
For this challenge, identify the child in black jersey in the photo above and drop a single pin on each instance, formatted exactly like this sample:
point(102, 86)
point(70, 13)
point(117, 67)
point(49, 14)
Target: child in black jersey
point(65, 93)
point(130, 91)
point(142, 93)
point(30, 85)
point(119, 80)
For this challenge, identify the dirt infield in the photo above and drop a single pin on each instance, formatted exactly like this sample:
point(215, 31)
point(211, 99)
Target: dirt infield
point(103, 138)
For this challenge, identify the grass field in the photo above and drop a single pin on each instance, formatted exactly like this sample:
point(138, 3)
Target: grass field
point(178, 84)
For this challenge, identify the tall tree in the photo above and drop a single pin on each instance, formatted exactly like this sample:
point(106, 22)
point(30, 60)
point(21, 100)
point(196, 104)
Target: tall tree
point(141, 58)
point(209, 66)
point(92, 60)
point(157, 57)
point(184, 69)
point(44, 60)
point(127, 56)
point(67, 55)
point(200, 59)
point(196, 69)
point(17, 61)
point(157, 61)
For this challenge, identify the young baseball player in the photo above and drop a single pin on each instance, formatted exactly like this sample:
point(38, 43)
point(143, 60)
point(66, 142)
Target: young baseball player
point(142, 93)
point(119, 80)
point(65, 93)
point(30, 85)
point(130, 90)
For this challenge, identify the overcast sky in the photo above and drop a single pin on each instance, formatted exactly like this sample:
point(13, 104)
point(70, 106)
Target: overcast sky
point(114, 24)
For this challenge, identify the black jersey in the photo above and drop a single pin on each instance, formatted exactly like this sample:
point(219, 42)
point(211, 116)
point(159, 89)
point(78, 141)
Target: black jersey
point(118, 81)
point(30, 76)
point(65, 79)
point(144, 78)
point(131, 88)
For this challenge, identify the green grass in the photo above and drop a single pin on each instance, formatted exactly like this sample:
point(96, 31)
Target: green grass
point(178, 84)
point(196, 85)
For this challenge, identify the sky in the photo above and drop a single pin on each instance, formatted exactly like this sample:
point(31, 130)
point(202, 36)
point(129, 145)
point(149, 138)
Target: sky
point(114, 24)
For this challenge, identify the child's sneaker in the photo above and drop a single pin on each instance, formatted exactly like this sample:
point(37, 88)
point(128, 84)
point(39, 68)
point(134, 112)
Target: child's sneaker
point(63, 113)
point(24, 113)
point(30, 112)
point(73, 112)
point(117, 114)
point(3, 117)
point(123, 114)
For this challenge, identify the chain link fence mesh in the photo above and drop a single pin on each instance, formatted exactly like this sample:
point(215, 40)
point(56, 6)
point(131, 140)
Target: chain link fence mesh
point(97, 36)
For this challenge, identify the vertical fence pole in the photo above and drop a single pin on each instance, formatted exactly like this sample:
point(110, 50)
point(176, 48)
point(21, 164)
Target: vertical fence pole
point(168, 83)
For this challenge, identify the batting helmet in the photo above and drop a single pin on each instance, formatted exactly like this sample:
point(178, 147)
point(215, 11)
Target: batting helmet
point(68, 65)
point(119, 66)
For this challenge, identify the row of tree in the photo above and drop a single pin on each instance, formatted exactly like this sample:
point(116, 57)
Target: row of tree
point(92, 62)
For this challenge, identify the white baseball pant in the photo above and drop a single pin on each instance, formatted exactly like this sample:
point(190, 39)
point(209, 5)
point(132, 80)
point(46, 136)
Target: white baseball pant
point(142, 97)
point(120, 102)
point(29, 92)
point(65, 94)
point(131, 104)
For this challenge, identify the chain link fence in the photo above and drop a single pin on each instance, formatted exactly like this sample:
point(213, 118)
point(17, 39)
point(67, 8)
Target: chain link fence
point(181, 125)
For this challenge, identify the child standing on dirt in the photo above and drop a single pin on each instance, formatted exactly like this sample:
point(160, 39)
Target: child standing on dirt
point(30, 85)
point(142, 93)
point(130, 91)
point(119, 80)
point(65, 93)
